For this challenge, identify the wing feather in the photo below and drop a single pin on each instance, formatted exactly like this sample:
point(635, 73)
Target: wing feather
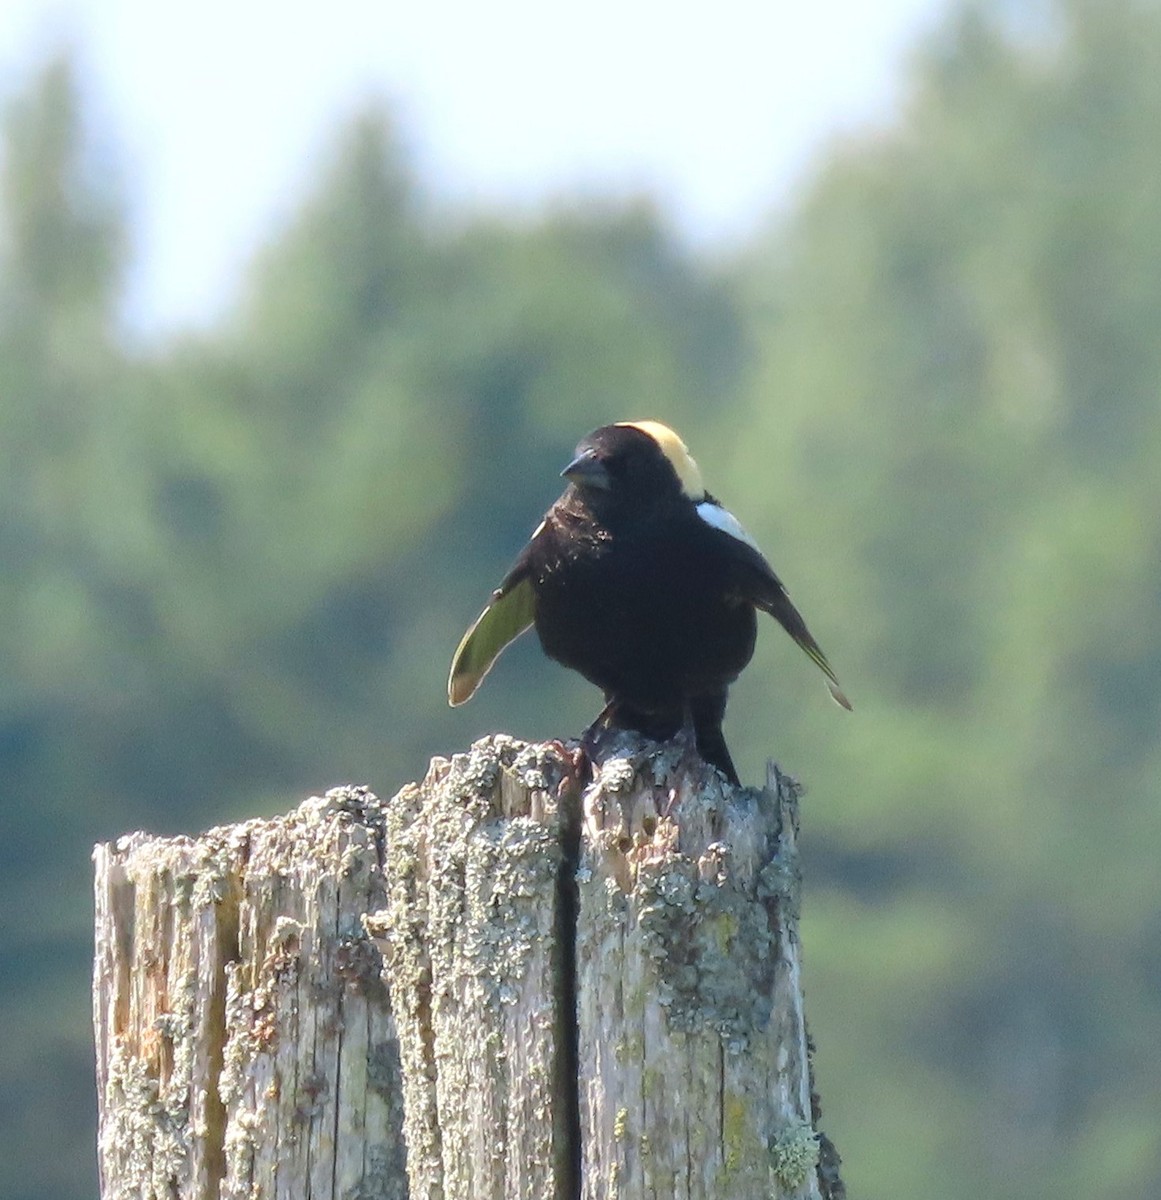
point(510, 612)
point(759, 585)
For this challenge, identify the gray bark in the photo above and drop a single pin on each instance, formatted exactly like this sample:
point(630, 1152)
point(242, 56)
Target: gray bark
point(694, 1062)
point(502, 985)
point(245, 1044)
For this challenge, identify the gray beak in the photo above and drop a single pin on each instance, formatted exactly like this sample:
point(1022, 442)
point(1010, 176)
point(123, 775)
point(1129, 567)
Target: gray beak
point(586, 470)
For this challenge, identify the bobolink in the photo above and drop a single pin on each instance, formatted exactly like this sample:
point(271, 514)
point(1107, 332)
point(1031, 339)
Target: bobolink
point(641, 581)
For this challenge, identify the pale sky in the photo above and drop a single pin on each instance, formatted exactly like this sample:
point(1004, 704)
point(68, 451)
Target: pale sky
point(220, 113)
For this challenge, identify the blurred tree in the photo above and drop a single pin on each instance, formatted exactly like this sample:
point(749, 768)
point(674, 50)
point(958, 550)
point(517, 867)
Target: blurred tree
point(60, 254)
point(956, 419)
point(235, 568)
point(240, 564)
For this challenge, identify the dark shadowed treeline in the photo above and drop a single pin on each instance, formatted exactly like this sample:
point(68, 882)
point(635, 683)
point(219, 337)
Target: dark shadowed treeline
point(235, 566)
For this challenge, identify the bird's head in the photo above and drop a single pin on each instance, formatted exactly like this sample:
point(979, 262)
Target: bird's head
point(643, 462)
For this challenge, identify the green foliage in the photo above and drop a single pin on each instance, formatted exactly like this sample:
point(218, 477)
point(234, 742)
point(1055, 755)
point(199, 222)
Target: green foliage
point(958, 380)
point(236, 568)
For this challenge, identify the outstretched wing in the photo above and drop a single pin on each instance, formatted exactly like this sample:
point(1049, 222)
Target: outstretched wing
point(758, 584)
point(777, 604)
point(509, 613)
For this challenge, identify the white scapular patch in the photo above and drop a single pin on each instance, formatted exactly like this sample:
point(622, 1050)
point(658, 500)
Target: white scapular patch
point(723, 519)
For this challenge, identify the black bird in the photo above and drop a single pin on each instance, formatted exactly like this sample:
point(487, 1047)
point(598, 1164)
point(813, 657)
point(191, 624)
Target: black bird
point(641, 581)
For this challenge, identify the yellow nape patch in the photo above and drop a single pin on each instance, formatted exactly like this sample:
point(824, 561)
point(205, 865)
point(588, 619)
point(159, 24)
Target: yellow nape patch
point(676, 451)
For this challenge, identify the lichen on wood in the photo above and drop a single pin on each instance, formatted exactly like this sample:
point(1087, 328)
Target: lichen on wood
point(514, 981)
point(694, 1061)
point(473, 957)
point(245, 1044)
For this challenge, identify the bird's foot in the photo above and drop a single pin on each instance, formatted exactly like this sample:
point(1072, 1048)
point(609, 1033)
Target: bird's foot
point(577, 756)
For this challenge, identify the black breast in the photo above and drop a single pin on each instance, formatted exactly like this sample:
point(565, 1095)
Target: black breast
point(643, 610)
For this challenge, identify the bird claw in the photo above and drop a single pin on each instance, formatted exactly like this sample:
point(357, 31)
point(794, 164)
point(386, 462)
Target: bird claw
point(579, 763)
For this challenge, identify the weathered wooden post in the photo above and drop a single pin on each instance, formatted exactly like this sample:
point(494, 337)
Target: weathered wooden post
point(245, 1044)
point(508, 983)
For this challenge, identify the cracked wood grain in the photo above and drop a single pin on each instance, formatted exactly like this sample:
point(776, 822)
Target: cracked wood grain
point(507, 983)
